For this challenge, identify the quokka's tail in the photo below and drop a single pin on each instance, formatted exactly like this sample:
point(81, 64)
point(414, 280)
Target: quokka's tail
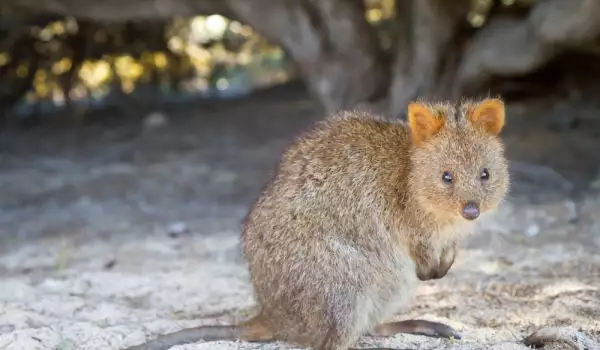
point(251, 330)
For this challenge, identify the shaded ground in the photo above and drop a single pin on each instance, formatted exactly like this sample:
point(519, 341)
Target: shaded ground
point(87, 261)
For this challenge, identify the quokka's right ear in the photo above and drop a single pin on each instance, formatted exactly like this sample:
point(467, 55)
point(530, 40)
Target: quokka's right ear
point(423, 122)
point(489, 115)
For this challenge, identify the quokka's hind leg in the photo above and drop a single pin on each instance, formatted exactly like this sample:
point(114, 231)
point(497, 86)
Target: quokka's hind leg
point(252, 330)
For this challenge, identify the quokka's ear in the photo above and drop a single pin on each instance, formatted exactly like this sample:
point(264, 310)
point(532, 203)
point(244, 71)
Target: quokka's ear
point(488, 115)
point(423, 122)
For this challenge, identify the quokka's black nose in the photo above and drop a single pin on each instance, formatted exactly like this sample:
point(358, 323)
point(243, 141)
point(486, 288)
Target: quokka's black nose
point(470, 210)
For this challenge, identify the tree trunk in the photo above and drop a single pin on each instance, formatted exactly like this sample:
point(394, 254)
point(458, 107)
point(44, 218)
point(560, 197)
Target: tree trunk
point(426, 51)
point(334, 47)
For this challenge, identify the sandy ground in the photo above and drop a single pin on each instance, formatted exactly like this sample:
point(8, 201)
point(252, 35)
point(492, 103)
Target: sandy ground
point(92, 255)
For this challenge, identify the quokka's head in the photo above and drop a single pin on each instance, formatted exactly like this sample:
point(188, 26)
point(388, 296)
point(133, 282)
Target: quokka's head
point(458, 167)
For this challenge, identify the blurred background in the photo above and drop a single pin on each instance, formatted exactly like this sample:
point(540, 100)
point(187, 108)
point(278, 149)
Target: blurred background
point(87, 84)
point(162, 120)
point(73, 58)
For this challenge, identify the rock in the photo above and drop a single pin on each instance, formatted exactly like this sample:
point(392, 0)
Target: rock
point(177, 229)
point(562, 118)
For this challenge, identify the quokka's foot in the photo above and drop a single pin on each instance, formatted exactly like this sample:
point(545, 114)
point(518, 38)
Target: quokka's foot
point(422, 327)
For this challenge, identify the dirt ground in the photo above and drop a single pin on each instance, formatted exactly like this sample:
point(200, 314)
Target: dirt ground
point(119, 231)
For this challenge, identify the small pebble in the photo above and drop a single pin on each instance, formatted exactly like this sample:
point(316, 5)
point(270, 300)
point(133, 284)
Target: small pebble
point(110, 264)
point(532, 231)
point(177, 229)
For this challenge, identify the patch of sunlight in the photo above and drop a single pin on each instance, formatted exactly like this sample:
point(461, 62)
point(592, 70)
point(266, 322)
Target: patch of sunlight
point(204, 29)
point(94, 74)
point(374, 15)
point(201, 59)
point(244, 58)
point(476, 19)
point(160, 60)
point(196, 84)
point(42, 90)
point(216, 26)
point(202, 68)
point(220, 53)
point(58, 27)
point(222, 84)
point(41, 74)
point(61, 66)
point(240, 29)
point(197, 30)
point(40, 82)
point(388, 8)
point(128, 86)
point(508, 2)
point(46, 34)
point(378, 10)
point(4, 58)
point(193, 71)
point(58, 97)
point(481, 7)
point(49, 89)
point(22, 71)
point(176, 44)
point(127, 67)
point(71, 25)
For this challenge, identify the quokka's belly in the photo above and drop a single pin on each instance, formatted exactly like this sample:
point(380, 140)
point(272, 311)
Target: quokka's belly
point(386, 298)
point(398, 296)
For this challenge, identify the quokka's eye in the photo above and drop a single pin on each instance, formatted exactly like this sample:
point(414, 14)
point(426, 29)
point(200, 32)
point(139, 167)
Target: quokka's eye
point(485, 174)
point(447, 177)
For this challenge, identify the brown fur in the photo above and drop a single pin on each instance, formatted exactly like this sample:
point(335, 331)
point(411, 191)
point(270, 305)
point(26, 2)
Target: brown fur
point(357, 213)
